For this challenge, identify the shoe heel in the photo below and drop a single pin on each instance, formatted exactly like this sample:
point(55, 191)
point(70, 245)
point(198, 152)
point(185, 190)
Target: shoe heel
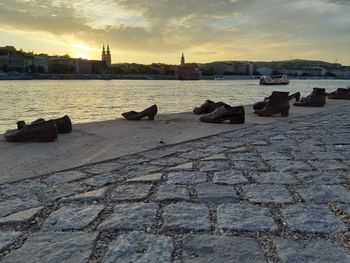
point(151, 117)
point(239, 120)
point(285, 112)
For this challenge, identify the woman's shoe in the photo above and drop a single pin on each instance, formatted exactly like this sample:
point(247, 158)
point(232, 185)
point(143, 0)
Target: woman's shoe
point(149, 112)
point(42, 131)
point(64, 124)
point(278, 103)
point(236, 115)
point(317, 98)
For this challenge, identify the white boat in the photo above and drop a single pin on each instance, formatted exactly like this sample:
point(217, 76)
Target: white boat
point(274, 80)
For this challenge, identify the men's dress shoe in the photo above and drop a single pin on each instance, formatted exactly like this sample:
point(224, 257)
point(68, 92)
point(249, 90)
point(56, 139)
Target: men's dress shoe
point(64, 124)
point(339, 94)
point(278, 103)
point(261, 104)
point(42, 131)
point(236, 115)
point(317, 98)
point(207, 107)
point(134, 115)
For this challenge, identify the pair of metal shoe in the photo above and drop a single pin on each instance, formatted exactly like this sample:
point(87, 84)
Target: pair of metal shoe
point(317, 98)
point(217, 112)
point(134, 115)
point(277, 103)
point(39, 130)
point(261, 104)
point(339, 94)
point(207, 107)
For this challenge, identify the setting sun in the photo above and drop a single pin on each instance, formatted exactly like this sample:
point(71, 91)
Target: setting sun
point(82, 55)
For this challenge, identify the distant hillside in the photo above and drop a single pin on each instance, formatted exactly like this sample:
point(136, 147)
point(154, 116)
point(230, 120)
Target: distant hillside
point(298, 64)
point(285, 64)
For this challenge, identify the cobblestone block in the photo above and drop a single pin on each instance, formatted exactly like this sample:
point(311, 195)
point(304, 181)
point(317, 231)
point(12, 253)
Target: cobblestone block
point(265, 193)
point(140, 170)
point(185, 166)
point(221, 249)
point(239, 150)
point(147, 178)
point(140, 247)
point(72, 217)
point(207, 166)
point(65, 177)
point(275, 178)
point(131, 192)
point(186, 216)
point(329, 155)
point(95, 195)
point(25, 189)
point(21, 217)
point(170, 192)
point(290, 166)
point(8, 238)
point(104, 179)
point(62, 190)
point(220, 156)
point(320, 251)
point(312, 178)
point(325, 165)
point(187, 177)
point(15, 205)
point(54, 248)
point(213, 193)
point(134, 216)
point(244, 156)
point(250, 166)
point(273, 156)
point(229, 177)
point(170, 161)
point(245, 217)
point(345, 209)
point(312, 219)
point(194, 155)
point(324, 194)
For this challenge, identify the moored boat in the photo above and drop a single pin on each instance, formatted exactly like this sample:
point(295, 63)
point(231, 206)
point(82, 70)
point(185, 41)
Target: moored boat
point(274, 80)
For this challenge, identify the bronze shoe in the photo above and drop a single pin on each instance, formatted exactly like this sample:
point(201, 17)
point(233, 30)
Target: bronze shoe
point(278, 103)
point(236, 115)
point(42, 131)
point(340, 94)
point(64, 124)
point(207, 107)
point(261, 104)
point(317, 98)
point(134, 115)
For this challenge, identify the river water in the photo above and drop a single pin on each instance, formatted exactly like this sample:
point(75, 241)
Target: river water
point(96, 100)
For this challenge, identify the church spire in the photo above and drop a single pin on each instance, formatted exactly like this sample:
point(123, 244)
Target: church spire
point(103, 49)
point(182, 59)
point(108, 52)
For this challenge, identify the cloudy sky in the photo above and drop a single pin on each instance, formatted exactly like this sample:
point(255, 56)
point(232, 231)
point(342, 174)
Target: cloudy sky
point(146, 31)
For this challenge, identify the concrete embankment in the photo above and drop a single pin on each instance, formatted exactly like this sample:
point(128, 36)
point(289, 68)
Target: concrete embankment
point(100, 141)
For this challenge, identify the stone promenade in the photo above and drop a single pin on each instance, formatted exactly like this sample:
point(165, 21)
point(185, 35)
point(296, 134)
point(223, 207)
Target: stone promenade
point(268, 193)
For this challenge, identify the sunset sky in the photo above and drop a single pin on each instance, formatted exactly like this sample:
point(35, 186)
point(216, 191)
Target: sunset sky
point(146, 31)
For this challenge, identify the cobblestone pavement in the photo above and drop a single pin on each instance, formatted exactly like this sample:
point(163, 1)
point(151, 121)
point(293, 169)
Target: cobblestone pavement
point(268, 193)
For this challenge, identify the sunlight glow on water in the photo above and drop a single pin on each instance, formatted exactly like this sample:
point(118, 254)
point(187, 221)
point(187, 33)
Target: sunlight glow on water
point(96, 100)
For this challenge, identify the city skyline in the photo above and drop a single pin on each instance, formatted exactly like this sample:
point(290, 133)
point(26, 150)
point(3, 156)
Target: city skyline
point(159, 31)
